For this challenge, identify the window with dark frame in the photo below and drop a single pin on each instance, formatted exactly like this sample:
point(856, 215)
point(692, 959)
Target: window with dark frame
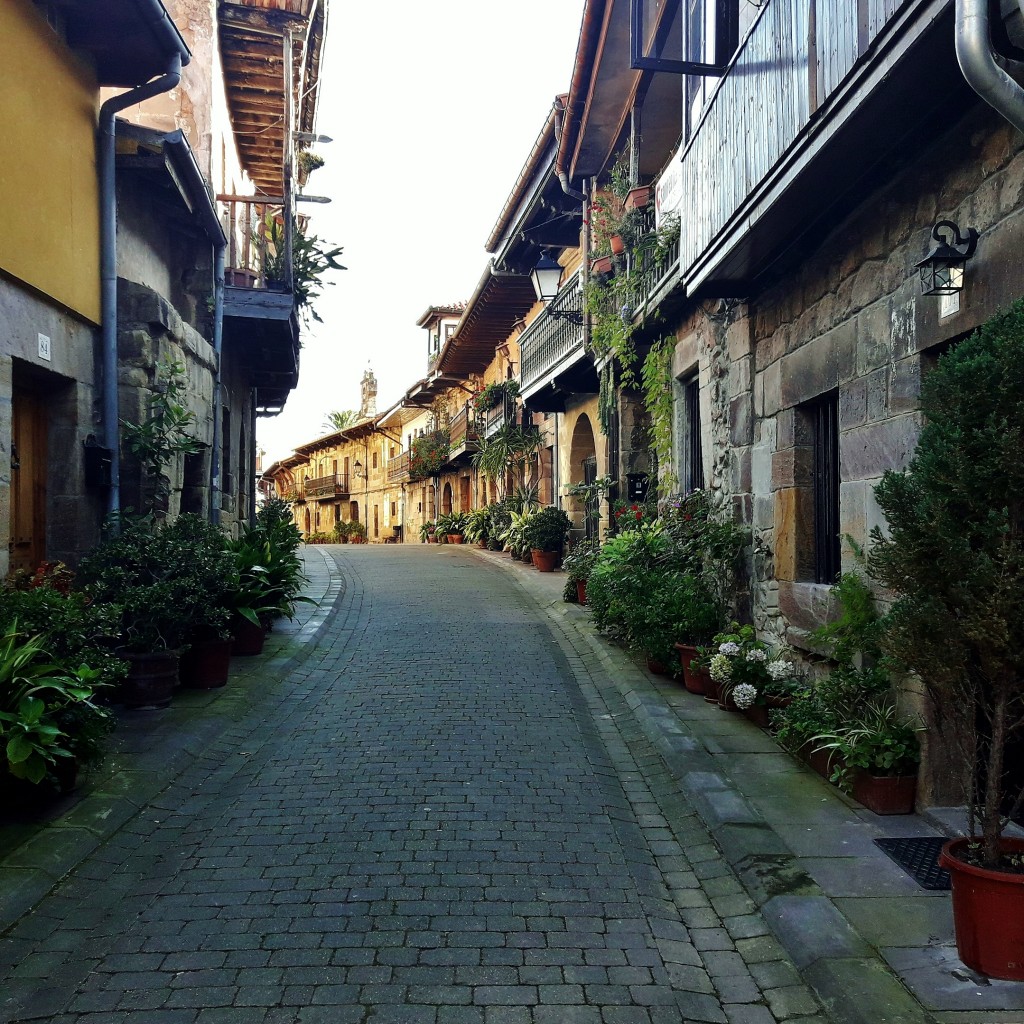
point(824, 421)
point(693, 455)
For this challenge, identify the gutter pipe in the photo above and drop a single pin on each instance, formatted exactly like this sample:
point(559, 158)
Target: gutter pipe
point(560, 170)
point(108, 256)
point(207, 213)
point(977, 60)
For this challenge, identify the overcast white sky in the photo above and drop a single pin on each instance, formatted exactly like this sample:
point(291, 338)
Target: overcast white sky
point(433, 108)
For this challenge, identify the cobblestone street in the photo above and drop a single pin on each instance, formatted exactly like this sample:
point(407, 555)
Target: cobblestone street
point(433, 817)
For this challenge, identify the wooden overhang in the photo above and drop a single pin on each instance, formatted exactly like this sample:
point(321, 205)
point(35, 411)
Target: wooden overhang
point(605, 89)
point(839, 159)
point(252, 46)
point(500, 300)
point(128, 41)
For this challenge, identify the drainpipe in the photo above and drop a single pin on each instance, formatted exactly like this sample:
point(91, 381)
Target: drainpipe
point(978, 61)
point(218, 344)
point(108, 263)
point(563, 176)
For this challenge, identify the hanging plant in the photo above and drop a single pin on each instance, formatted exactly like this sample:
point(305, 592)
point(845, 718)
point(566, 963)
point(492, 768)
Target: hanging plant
point(429, 455)
point(656, 376)
point(606, 399)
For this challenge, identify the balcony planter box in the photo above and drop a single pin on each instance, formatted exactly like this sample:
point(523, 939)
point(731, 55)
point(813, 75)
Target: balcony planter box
point(601, 265)
point(638, 197)
point(988, 911)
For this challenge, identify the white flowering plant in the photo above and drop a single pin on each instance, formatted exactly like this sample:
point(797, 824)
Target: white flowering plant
point(747, 669)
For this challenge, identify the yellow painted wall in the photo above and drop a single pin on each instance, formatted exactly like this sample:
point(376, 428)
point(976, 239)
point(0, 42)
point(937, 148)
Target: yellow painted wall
point(48, 106)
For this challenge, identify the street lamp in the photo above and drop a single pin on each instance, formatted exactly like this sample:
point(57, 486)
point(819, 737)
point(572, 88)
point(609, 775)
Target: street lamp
point(545, 277)
point(942, 270)
point(359, 470)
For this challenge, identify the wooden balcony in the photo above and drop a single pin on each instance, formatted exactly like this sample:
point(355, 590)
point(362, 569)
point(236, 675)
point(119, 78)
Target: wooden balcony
point(462, 432)
point(259, 312)
point(553, 355)
point(398, 469)
point(294, 493)
point(335, 485)
point(789, 141)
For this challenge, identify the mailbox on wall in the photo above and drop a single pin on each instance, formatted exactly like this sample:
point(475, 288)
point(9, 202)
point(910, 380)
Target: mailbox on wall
point(98, 463)
point(636, 486)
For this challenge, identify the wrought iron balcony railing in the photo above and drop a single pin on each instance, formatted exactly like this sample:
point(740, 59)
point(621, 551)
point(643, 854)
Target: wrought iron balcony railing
point(462, 431)
point(553, 337)
point(499, 416)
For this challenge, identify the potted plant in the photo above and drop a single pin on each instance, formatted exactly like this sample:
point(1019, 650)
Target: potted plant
point(356, 532)
point(578, 565)
point(159, 582)
point(545, 535)
point(341, 528)
point(877, 757)
point(478, 521)
point(747, 672)
point(954, 558)
point(428, 531)
point(452, 526)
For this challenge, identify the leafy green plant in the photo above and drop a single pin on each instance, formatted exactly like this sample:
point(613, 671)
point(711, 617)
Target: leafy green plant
point(34, 693)
point(547, 529)
point(311, 259)
point(513, 538)
point(451, 523)
point(875, 739)
point(578, 565)
point(493, 394)
point(478, 522)
point(164, 433)
point(166, 580)
point(656, 381)
point(510, 450)
point(427, 530)
point(954, 557)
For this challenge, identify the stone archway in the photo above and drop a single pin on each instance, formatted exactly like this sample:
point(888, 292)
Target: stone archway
point(446, 499)
point(583, 470)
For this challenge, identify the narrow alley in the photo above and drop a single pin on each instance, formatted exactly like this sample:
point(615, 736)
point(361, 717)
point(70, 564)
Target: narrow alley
point(426, 805)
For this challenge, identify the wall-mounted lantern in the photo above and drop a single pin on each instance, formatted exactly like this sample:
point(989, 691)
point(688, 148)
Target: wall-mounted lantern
point(546, 277)
point(942, 270)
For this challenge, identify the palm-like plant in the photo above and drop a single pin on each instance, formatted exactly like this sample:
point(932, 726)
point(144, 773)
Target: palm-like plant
point(510, 449)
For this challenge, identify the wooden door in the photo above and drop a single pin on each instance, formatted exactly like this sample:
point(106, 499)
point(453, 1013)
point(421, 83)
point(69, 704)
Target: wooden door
point(28, 480)
point(465, 503)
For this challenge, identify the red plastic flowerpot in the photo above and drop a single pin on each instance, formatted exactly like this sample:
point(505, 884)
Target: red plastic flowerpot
point(545, 561)
point(988, 912)
point(581, 591)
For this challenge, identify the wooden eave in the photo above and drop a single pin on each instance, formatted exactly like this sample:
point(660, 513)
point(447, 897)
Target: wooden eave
point(252, 42)
point(500, 300)
point(605, 89)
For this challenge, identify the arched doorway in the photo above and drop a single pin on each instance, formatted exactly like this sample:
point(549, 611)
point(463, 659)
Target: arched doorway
point(446, 500)
point(583, 470)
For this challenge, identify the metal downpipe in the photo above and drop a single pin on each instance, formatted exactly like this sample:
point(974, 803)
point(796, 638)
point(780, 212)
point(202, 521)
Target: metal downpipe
point(108, 263)
point(218, 345)
point(978, 64)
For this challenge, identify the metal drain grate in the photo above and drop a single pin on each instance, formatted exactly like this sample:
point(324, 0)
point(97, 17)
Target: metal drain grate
point(918, 857)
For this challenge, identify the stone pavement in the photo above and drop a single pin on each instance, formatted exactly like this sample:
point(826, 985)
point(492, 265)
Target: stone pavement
point(440, 797)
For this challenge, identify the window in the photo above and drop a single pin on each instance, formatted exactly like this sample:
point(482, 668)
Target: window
point(374, 460)
point(710, 36)
point(691, 475)
point(394, 510)
point(823, 417)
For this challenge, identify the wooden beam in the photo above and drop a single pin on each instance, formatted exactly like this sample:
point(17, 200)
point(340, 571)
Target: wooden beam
point(259, 18)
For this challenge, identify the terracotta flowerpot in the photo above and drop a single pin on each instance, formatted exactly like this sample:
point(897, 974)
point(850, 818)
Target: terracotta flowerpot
point(758, 714)
point(695, 680)
point(711, 693)
point(454, 538)
point(885, 794)
point(481, 544)
point(247, 637)
point(581, 591)
point(617, 244)
point(659, 668)
point(638, 197)
point(431, 539)
point(726, 702)
point(205, 665)
point(152, 677)
point(545, 561)
point(988, 912)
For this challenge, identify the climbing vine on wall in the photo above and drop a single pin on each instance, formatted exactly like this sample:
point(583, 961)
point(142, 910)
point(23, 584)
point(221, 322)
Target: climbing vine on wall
point(606, 399)
point(656, 376)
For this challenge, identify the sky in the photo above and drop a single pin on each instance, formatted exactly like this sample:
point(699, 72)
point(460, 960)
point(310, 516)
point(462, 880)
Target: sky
point(433, 108)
